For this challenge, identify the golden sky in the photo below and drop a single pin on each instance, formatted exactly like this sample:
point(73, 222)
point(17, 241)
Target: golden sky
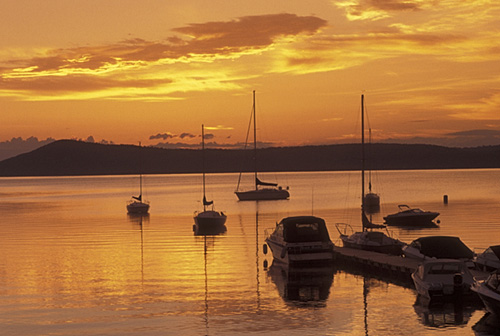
point(153, 71)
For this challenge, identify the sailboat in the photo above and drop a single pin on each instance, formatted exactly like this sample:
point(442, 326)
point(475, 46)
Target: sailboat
point(264, 191)
point(208, 221)
point(367, 239)
point(136, 205)
point(371, 199)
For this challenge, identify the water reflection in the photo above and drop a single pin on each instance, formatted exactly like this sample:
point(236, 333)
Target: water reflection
point(449, 314)
point(302, 286)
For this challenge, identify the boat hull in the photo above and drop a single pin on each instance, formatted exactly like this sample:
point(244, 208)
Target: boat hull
point(301, 253)
point(361, 241)
point(209, 222)
point(138, 208)
point(411, 220)
point(263, 195)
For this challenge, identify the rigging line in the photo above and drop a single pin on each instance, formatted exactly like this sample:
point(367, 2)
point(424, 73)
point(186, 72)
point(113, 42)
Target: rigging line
point(244, 148)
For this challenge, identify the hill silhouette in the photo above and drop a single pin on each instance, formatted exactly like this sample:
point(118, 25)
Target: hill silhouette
point(70, 157)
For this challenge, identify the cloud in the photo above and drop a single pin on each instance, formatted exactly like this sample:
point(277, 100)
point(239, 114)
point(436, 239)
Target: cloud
point(187, 135)
point(18, 145)
point(163, 136)
point(376, 9)
point(141, 69)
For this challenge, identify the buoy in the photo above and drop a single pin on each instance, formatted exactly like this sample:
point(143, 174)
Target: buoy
point(445, 199)
point(264, 248)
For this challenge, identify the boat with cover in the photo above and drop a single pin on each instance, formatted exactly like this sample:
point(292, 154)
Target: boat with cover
point(208, 221)
point(439, 247)
point(408, 216)
point(300, 240)
point(441, 278)
point(136, 205)
point(264, 191)
point(367, 239)
point(488, 260)
point(489, 289)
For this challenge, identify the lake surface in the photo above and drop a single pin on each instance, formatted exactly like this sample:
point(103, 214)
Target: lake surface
point(74, 263)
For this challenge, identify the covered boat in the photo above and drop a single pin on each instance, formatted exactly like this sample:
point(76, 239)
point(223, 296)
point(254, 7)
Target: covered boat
point(441, 278)
point(489, 289)
point(439, 247)
point(487, 260)
point(301, 240)
point(411, 217)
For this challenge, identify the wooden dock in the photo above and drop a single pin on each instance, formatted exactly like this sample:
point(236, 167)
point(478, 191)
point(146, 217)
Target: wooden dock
point(395, 268)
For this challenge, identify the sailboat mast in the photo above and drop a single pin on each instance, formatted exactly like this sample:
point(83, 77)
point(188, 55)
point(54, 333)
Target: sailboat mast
point(363, 153)
point(140, 179)
point(254, 141)
point(203, 163)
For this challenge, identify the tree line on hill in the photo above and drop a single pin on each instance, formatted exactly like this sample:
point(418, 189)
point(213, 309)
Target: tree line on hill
point(70, 157)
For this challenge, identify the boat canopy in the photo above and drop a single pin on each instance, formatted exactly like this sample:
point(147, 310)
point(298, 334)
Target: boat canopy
point(443, 247)
point(259, 182)
point(496, 250)
point(304, 229)
point(205, 202)
point(367, 224)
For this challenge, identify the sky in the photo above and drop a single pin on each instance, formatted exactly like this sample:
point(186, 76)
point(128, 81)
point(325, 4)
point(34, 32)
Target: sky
point(153, 71)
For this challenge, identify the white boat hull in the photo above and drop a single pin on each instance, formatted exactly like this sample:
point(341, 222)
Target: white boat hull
point(301, 253)
point(263, 195)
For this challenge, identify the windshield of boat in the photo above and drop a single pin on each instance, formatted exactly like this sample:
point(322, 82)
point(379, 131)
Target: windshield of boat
point(306, 232)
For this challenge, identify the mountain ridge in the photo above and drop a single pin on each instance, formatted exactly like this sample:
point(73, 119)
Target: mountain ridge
point(72, 157)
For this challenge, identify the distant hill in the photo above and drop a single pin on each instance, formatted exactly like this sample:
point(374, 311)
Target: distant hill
point(70, 157)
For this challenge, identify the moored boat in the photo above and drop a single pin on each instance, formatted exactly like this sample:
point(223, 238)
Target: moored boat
point(408, 216)
point(442, 278)
point(301, 240)
point(489, 289)
point(488, 260)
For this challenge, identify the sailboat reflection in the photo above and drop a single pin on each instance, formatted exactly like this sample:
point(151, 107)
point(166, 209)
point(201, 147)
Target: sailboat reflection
point(449, 314)
point(302, 286)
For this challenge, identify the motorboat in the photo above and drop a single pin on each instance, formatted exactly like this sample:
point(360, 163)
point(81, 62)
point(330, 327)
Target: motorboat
point(441, 278)
point(368, 239)
point(208, 221)
point(439, 247)
point(408, 216)
point(300, 240)
point(263, 191)
point(487, 260)
point(489, 289)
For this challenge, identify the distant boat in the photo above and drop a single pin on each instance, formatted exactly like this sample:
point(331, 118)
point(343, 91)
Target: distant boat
point(208, 221)
point(301, 240)
point(136, 205)
point(411, 217)
point(367, 239)
point(264, 191)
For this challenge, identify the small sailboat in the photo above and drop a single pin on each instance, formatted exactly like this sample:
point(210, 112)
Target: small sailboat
point(367, 239)
point(264, 191)
point(208, 221)
point(136, 205)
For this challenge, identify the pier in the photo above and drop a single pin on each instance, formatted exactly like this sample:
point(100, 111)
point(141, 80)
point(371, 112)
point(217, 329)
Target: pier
point(395, 268)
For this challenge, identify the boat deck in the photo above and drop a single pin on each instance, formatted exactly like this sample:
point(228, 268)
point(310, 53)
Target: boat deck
point(388, 266)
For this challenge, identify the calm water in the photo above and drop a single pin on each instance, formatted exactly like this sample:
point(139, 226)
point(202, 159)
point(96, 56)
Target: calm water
point(74, 263)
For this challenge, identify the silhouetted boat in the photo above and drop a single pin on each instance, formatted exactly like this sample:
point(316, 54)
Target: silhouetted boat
point(439, 247)
point(301, 240)
point(208, 221)
point(488, 260)
point(489, 289)
point(411, 217)
point(264, 191)
point(367, 239)
point(441, 278)
point(136, 205)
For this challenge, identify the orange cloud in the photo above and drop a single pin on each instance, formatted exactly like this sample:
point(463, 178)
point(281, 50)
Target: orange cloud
point(113, 70)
